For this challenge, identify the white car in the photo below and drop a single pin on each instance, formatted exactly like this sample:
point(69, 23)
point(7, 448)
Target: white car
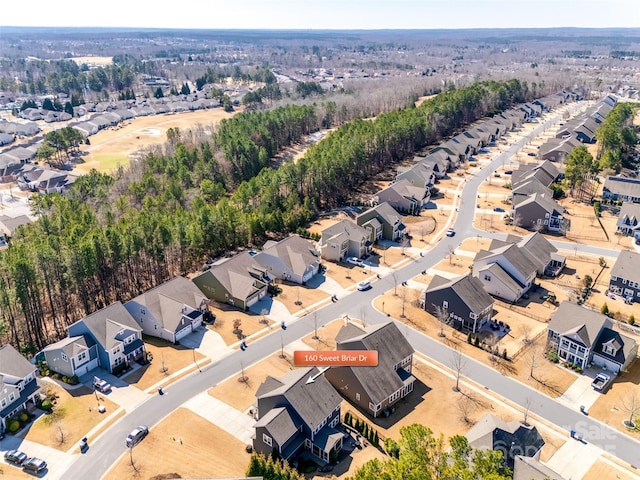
point(355, 261)
point(101, 385)
point(364, 285)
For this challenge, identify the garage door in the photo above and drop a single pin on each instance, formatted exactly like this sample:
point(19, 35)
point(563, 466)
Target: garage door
point(606, 364)
point(84, 369)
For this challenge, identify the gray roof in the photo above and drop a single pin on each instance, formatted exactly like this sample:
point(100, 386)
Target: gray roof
point(385, 211)
point(625, 346)
point(523, 189)
point(627, 266)
point(501, 274)
point(166, 301)
point(538, 249)
point(623, 186)
point(72, 346)
point(313, 402)
point(381, 381)
point(238, 275)
point(521, 262)
point(279, 424)
point(107, 322)
point(468, 288)
point(294, 251)
point(13, 365)
point(580, 324)
point(629, 212)
point(547, 203)
point(345, 227)
point(10, 224)
point(527, 468)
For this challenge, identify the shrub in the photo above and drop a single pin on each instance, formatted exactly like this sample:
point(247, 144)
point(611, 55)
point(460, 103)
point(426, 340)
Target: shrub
point(13, 426)
point(632, 320)
point(24, 416)
point(46, 405)
point(553, 356)
point(469, 338)
point(476, 341)
point(392, 447)
point(604, 309)
point(504, 354)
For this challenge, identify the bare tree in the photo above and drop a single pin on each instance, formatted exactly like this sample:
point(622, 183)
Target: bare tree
point(451, 251)
point(631, 405)
point(464, 407)
point(525, 410)
point(315, 325)
point(404, 300)
point(458, 363)
point(525, 331)
point(54, 418)
point(533, 360)
point(517, 221)
point(264, 312)
point(538, 225)
point(394, 275)
point(133, 464)
point(442, 314)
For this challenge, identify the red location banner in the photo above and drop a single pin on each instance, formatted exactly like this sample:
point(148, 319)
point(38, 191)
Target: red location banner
point(335, 358)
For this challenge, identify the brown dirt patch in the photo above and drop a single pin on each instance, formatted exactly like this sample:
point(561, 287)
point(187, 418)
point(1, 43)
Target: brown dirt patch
point(250, 323)
point(180, 437)
point(242, 394)
point(81, 415)
point(298, 297)
point(602, 469)
point(167, 360)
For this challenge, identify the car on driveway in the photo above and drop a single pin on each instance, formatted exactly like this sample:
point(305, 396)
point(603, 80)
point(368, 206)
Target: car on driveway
point(531, 154)
point(101, 385)
point(136, 436)
point(355, 261)
point(498, 209)
point(15, 456)
point(364, 285)
point(34, 465)
point(450, 232)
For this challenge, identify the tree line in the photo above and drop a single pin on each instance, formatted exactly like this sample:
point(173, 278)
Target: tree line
point(112, 237)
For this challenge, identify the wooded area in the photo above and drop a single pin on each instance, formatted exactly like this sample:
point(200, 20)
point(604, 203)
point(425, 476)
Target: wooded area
point(111, 238)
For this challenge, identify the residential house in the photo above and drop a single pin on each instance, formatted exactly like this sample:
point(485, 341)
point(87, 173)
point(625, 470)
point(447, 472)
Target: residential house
point(539, 250)
point(511, 438)
point(239, 281)
point(9, 225)
point(527, 468)
point(581, 336)
point(557, 149)
point(540, 212)
point(117, 335)
point(545, 172)
point(463, 299)
point(71, 356)
point(374, 389)
point(622, 188)
point(404, 197)
point(293, 259)
point(625, 276)
point(627, 223)
point(344, 239)
point(442, 161)
point(382, 222)
point(421, 174)
point(295, 415)
point(171, 311)
point(18, 385)
point(505, 271)
point(6, 138)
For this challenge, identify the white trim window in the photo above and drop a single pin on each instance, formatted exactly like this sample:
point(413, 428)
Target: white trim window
point(267, 440)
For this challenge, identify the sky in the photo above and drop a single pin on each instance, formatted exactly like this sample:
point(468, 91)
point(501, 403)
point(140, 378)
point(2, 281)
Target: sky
point(323, 14)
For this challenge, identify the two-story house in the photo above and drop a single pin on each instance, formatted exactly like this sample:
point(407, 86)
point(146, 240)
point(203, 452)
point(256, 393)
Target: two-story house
point(344, 239)
point(115, 333)
point(464, 299)
point(404, 197)
point(170, 311)
point(71, 356)
point(293, 259)
point(382, 222)
point(625, 276)
point(374, 389)
point(18, 383)
point(621, 188)
point(421, 174)
point(540, 212)
point(629, 220)
point(295, 414)
point(504, 271)
point(581, 336)
point(238, 281)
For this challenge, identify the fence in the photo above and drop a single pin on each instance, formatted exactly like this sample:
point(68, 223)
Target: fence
point(521, 311)
point(524, 347)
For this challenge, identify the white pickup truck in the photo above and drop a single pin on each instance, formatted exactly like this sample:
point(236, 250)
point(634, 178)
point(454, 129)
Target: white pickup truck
point(601, 382)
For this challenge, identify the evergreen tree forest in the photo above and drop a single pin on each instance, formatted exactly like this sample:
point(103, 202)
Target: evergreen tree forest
point(112, 237)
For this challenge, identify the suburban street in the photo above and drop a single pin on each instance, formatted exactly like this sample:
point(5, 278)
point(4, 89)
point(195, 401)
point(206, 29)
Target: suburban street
point(105, 451)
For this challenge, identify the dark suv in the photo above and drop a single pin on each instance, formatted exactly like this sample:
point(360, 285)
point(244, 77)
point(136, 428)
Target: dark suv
point(34, 465)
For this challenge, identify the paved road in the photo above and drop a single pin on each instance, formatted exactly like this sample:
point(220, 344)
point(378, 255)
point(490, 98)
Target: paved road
point(106, 450)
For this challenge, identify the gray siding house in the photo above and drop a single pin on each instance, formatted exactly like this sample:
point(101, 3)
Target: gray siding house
point(72, 355)
point(629, 220)
point(622, 188)
point(464, 298)
point(293, 259)
point(374, 389)
point(296, 415)
point(18, 384)
point(382, 222)
point(404, 197)
point(539, 211)
point(625, 276)
point(344, 239)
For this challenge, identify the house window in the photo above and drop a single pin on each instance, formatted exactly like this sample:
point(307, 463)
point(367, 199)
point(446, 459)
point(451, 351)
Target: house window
point(3, 403)
point(609, 350)
point(445, 304)
point(473, 316)
point(357, 397)
point(116, 350)
point(613, 279)
point(267, 439)
point(487, 278)
point(12, 397)
point(64, 356)
point(82, 356)
point(117, 361)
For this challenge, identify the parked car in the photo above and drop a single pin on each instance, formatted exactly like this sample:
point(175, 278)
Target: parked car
point(450, 232)
point(508, 172)
point(136, 436)
point(34, 465)
point(531, 154)
point(101, 385)
point(498, 209)
point(15, 456)
point(355, 261)
point(601, 382)
point(364, 285)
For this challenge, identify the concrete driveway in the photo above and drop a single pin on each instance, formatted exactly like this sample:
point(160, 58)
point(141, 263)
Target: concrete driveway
point(275, 310)
point(236, 423)
point(326, 284)
point(57, 462)
point(581, 392)
point(206, 342)
point(574, 458)
point(122, 393)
